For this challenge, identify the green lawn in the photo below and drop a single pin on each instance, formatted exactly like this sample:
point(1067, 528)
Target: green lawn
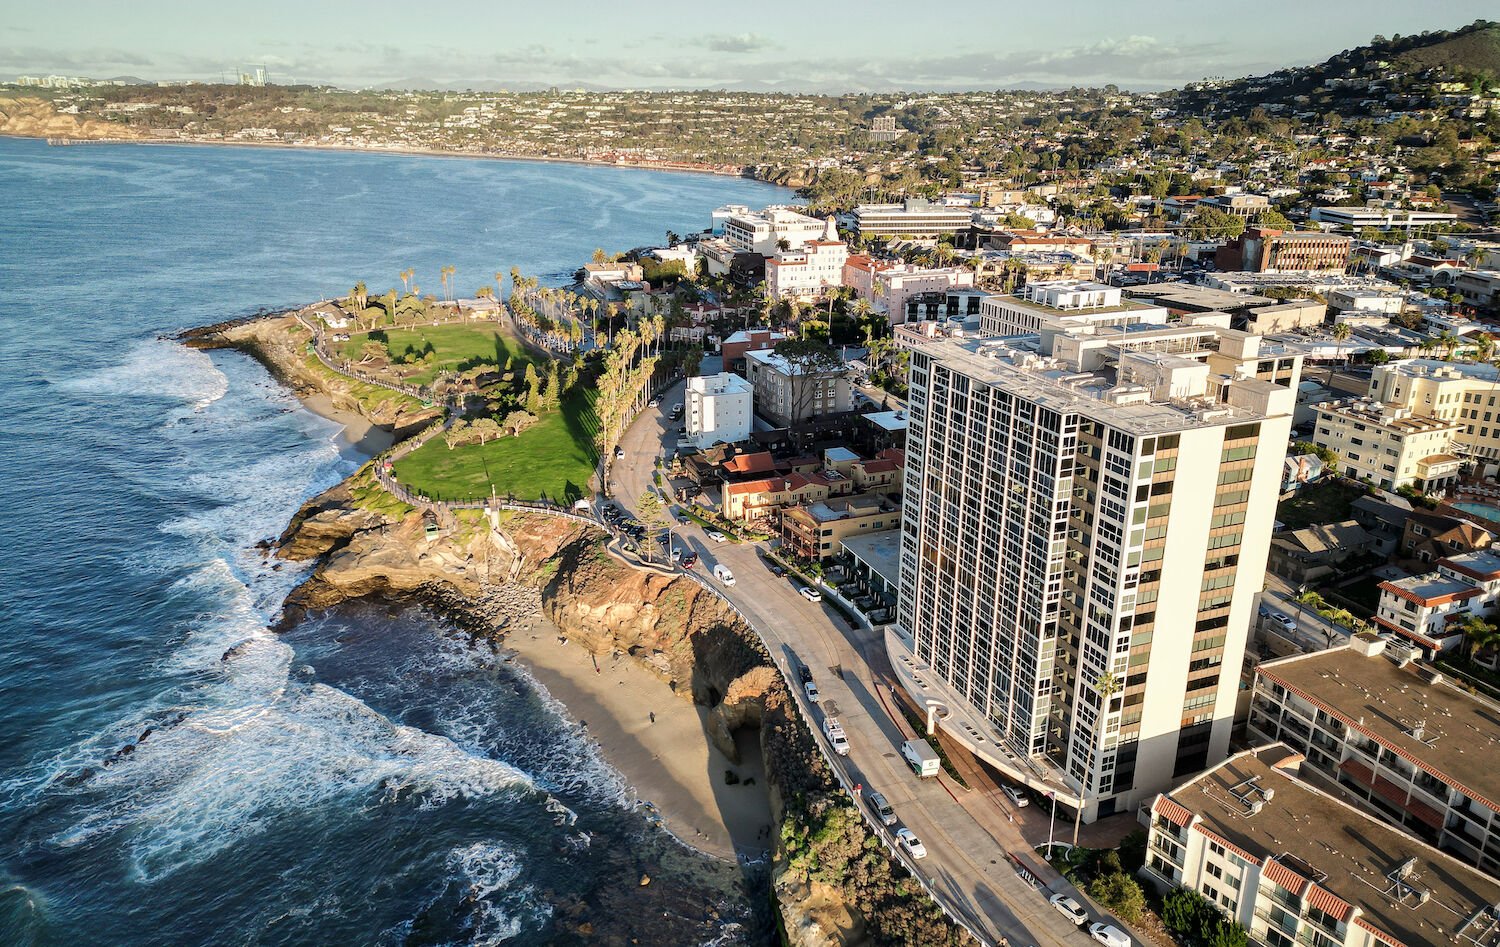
point(554, 457)
point(457, 347)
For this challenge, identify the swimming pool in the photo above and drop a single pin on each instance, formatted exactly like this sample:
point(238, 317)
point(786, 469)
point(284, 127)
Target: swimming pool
point(1487, 510)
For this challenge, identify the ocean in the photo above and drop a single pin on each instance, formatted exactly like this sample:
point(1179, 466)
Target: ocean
point(175, 773)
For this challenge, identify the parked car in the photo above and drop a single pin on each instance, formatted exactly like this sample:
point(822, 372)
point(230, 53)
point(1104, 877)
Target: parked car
point(911, 843)
point(1069, 909)
point(1284, 620)
point(619, 452)
point(881, 808)
point(676, 553)
point(804, 674)
point(776, 570)
point(722, 573)
point(654, 403)
point(812, 692)
point(1109, 935)
point(717, 536)
point(1016, 796)
point(810, 593)
point(834, 731)
point(690, 560)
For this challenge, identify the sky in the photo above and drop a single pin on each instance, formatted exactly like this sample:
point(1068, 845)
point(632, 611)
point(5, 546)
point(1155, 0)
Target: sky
point(875, 45)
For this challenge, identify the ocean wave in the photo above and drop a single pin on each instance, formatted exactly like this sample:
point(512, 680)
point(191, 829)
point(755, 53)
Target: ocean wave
point(157, 368)
point(500, 909)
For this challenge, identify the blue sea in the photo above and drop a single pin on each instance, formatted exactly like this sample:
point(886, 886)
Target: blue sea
point(172, 771)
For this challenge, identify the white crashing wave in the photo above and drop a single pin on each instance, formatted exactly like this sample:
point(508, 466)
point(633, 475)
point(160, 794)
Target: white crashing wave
point(500, 907)
point(157, 368)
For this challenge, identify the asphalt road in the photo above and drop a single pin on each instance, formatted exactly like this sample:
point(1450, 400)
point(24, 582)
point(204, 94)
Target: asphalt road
point(966, 860)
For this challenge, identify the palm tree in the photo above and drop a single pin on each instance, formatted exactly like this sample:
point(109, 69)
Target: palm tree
point(1341, 332)
point(1449, 340)
point(1107, 687)
point(1479, 635)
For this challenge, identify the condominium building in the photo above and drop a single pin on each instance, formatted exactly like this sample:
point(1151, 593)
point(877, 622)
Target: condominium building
point(1394, 737)
point(806, 273)
point(1389, 446)
point(1296, 866)
point(1463, 393)
point(1048, 554)
point(784, 394)
point(766, 231)
point(1240, 205)
point(719, 409)
point(1428, 610)
point(1063, 305)
point(914, 217)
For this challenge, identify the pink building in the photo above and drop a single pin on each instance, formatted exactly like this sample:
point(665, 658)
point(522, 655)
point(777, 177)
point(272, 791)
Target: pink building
point(901, 282)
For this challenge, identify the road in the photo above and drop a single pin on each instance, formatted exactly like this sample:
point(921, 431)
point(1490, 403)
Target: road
point(966, 858)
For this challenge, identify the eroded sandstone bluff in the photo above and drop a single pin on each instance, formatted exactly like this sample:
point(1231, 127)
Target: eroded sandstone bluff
point(833, 883)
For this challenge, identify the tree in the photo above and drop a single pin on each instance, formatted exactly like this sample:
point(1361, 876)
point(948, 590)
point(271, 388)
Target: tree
point(517, 421)
point(1341, 333)
point(485, 428)
point(1479, 635)
point(1275, 220)
point(370, 351)
point(809, 363)
point(1121, 894)
point(652, 515)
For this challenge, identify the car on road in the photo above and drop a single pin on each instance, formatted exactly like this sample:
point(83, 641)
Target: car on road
point(716, 536)
point(834, 731)
point(812, 692)
point(654, 403)
point(1284, 620)
point(1016, 796)
point(804, 674)
point(690, 560)
point(619, 452)
point(722, 573)
point(1109, 935)
point(810, 593)
point(776, 570)
point(676, 553)
point(881, 808)
point(1069, 909)
point(911, 843)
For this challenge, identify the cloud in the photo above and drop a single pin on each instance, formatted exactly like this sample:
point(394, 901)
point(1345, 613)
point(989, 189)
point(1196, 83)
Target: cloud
point(737, 43)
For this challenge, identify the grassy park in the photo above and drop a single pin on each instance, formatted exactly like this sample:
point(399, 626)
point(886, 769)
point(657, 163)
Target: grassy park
point(424, 351)
point(555, 457)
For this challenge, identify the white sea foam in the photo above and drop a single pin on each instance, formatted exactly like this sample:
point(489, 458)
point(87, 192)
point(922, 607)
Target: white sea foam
point(157, 368)
point(502, 908)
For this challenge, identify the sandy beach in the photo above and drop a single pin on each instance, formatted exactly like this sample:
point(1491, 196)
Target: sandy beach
point(359, 435)
point(669, 763)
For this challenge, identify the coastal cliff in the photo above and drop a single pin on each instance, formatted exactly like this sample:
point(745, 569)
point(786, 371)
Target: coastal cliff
point(833, 882)
point(26, 117)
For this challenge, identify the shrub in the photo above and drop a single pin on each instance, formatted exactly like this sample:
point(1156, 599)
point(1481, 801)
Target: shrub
point(1121, 894)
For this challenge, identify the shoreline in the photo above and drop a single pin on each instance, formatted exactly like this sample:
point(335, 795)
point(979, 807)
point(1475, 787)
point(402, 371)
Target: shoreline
point(359, 438)
point(668, 765)
point(406, 151)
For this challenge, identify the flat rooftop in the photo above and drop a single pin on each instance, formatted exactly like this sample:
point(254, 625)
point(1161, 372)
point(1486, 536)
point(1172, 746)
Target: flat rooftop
point(880, 551)
point(1346, 852)
point(1053, 385)
point(887, 420)
point(1462, 733)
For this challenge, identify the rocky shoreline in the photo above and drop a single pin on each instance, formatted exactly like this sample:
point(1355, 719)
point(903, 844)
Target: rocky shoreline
point(490, 572)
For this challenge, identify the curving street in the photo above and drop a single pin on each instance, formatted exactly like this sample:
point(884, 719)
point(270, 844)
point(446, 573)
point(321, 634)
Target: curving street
point(967, 860)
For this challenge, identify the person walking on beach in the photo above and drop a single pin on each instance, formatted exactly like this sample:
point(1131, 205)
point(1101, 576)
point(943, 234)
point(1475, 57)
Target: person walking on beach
point(653, 716)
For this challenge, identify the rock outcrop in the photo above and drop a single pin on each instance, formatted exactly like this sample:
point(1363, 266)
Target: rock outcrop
point(28, 117)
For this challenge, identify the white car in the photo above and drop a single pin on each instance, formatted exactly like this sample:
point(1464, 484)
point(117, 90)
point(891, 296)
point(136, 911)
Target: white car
point(1109, 935)
point(810, 593)
point(676, 553)
point(911, 843)
point(836, 737)
point(1017, 798)
point(1284, 620)
point(654, 403)
point(1069, 909)
point(812, 692)
point(717, 536)
point(723, 574)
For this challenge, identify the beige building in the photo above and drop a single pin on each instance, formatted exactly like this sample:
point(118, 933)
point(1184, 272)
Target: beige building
point(1394, 737)
point(816, 531)
point(785, 395)
point(1062, 305)
point(1389, 446)
point(1465, 393)
point(1296, 866)
point(1071, 524)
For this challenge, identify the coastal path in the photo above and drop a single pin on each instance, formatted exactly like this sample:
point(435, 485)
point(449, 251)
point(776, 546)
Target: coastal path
point(968, 868)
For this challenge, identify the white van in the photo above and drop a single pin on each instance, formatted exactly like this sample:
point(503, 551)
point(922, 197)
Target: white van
point(722, 573)
point(921, 758)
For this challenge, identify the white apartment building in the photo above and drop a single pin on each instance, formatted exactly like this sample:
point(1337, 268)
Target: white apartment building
point(719, 409)
point(1380, 218)
point(1068, 525)
point(1428, 610)
point(764, 231)
point(1296, 866)
point(899, 283)
point(1064, 305)
point(783, 395)
point(914, 217)
point(1393, 736)
point(1390, 446)
point(806, 273)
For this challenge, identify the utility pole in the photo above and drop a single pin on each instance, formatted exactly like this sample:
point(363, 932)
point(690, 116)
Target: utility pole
point(1108, 685)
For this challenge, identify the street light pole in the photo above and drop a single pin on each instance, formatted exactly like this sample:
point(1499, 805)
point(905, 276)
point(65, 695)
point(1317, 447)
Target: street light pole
point(1107, 686)
point(1051, 823)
